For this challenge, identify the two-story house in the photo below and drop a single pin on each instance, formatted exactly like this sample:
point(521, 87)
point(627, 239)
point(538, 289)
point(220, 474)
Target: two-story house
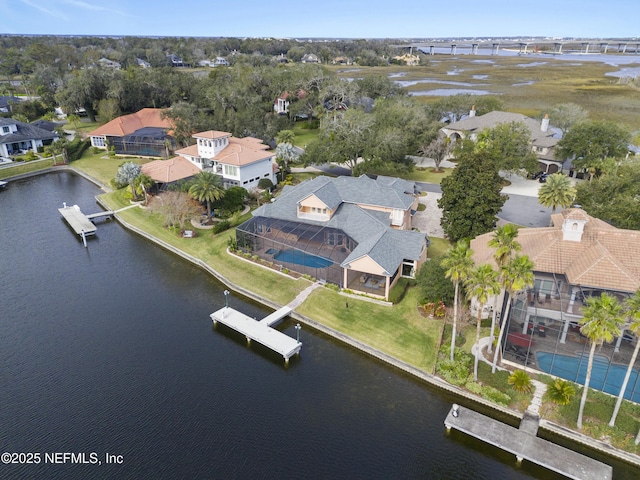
point(353, 232)
point(239, 161)
point(578, 257)
point(543, 138)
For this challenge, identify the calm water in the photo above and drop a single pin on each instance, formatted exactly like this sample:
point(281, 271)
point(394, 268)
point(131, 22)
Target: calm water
point(110, 349)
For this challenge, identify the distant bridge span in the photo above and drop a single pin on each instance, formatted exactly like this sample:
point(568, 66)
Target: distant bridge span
point(528, 46)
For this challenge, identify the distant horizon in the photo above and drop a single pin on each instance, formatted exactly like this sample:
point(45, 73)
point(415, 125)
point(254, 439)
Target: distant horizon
point(334, 19)
point(326, 39)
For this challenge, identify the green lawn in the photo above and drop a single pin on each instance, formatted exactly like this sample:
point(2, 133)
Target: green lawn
point(399, 330)
point(211, 249)
point(303, 136)
point(28, 167)
point(428, 175)
point(103, 168)
point(438, 247)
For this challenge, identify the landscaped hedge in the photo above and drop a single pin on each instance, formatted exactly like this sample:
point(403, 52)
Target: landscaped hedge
point(399, 289)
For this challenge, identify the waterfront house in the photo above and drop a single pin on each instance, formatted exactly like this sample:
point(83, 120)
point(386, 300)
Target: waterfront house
point(18, 137)
point(144, 133)
point(239, 161)
point(577, 257)
point(543, 139)
point(353, 232)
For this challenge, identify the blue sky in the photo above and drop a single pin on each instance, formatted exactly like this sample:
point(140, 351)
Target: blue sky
point(325, 18)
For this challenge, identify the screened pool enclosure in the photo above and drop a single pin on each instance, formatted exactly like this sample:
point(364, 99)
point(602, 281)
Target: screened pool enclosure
point(309, 249)
point(543, 332)
point(145, 142)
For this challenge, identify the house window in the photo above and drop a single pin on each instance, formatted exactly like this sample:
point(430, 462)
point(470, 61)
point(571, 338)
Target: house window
point(98, 141)
point(5, 130)
point(231, 171)
point(335, 238)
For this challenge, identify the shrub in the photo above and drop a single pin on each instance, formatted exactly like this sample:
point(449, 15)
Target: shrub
point(399, 289)
point(560, 392)
point(265, 184)
point(76, 149)
point(520, 381)
point(457, 371)
point(332, 286)
point(474, 387)
point(495, 395)
point(221, 226)
point(231, 243)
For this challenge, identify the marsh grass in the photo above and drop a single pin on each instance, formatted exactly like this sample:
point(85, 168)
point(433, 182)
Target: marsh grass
point(554, 81)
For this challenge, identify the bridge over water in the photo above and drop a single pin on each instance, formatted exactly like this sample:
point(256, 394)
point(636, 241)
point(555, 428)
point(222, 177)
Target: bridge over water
point(523, 47)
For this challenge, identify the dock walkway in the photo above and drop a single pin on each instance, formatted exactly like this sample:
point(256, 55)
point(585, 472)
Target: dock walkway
point(260, 331)
point(77, 220)
point(524, 444)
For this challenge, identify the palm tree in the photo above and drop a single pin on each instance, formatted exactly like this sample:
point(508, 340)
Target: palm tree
point(520, 381)
point(560, 392)
point(601, 323)
point(516, 275)
point(143, 183)
point(505, 244)
point(481, 283)
point(207, 187)
point(632, 306)
point(557, 192)
point(457, 264)
point(285, 136)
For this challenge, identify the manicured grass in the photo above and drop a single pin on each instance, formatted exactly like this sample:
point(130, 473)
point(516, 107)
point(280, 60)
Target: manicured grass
point(303, 136)
point(211, 249)
point(438, 247)
point(399, 330)
point(428, 175)
point(597, 413)
point(103, 168)
point(23, 168)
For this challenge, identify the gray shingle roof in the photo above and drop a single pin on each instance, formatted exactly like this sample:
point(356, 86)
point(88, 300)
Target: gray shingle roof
point(370, 229)
point(25, 132)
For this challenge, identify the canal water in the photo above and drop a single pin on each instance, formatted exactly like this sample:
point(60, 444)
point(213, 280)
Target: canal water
point(107, 353)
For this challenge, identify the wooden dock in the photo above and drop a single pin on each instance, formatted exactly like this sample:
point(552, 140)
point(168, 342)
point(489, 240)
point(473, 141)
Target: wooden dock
point(81, 223)
point(77, 220)
point(525, 445)
point(260, 331)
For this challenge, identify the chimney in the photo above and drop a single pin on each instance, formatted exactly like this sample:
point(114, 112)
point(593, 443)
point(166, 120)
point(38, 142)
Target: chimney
point(544, 126)
point(472, 113)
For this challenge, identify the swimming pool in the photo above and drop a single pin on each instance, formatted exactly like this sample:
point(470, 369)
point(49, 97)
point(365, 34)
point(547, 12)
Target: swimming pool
point(301, 258)
point(575, 369)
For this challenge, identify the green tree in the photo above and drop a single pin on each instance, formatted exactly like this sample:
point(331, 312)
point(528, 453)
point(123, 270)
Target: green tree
point(520, 381)
point(516, 275)
point(481, 283)
point(471, 197)
point(285, 136)
point(207, 188)
point(509, 146)
point(589, 143)
point(457, 263)
point(632, 310)
point(506, 246)
point(556, 192)
point(437, 150)
point(601, 323)
point(126, 175)
point(614, 198)
point(559, 392)
point(565, 115)
point(433, 284)
point(142, 184)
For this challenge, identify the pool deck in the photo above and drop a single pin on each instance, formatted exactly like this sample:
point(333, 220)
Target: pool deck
point(525, 445)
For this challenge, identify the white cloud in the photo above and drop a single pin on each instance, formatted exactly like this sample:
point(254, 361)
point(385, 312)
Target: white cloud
point(90, 6)
point(45, 10)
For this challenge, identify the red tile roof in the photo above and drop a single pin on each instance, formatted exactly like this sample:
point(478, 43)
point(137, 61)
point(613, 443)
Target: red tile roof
point(606, 257)
point(147, 117)
point(174, 169)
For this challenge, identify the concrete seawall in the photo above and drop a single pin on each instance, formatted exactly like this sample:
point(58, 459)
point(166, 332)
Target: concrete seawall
point(408, 369)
